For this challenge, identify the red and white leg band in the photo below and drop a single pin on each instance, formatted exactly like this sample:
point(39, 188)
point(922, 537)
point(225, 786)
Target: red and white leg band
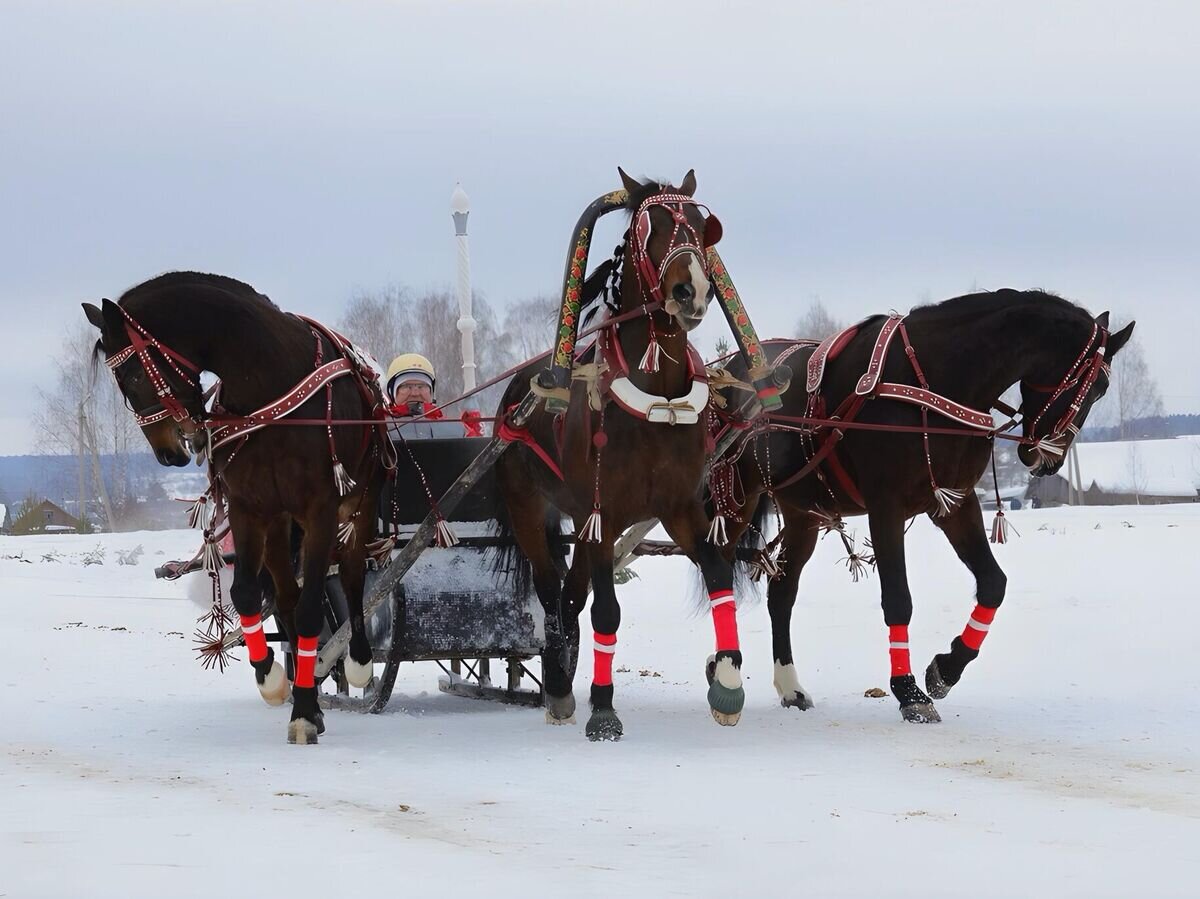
point(306, 661)
point(724, 614)
point(977, 626)
point(605, 647)
point(256, 640)
point(898, 650)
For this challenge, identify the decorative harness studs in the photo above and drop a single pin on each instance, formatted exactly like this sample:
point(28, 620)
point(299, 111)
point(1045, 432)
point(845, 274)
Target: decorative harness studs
point(140, 344)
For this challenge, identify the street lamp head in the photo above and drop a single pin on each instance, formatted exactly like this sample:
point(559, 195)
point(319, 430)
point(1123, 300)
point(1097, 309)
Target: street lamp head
point(458, 201)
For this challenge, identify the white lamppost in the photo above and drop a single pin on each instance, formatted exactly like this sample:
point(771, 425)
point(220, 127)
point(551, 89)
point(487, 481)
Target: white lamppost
point(460, 208)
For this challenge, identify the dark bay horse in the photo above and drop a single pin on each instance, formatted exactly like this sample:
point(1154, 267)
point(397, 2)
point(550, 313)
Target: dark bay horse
point(619, 466)
point(157, 339)
point(969, 350)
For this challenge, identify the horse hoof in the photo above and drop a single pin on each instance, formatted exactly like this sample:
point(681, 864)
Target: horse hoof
point(302, 732)
point(726, 720)
point(787, 685)
point(604, 725)
point(275, 687)
point(710, 669)
point(920, 713)
point(560, 709)
point(935, 684)
point(799, 700)
point(358, 675)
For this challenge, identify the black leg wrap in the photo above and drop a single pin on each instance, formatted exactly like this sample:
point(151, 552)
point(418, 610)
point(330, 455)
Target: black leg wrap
point(602, 697)
point(360, 649)
point(915, 706)
point(304, 705)
point(946, 669)
point(263, 668)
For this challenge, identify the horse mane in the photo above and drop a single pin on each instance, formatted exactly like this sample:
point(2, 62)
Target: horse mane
point(983, 302)
point(182, 280)
point(645, 191)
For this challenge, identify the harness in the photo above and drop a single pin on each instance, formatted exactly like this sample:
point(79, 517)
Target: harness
point(141, 342)
point(1080, 378)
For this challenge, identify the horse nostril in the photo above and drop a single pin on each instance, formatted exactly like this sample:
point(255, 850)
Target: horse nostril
point(684, 292)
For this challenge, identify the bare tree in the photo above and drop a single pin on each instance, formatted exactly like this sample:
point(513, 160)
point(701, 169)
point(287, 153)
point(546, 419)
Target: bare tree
point(1134, 392)
point(84, 415)
point(394, 321)
point(816, 323)
point(529, 326)
point(377, 323)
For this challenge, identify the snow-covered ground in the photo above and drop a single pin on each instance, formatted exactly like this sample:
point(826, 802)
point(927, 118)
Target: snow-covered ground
point(1066, 763)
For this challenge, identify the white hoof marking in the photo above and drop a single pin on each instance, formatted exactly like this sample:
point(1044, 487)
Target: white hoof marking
point(727, 675)
point(302, 732)
point(787, 684)
point(275, 688)
point(358, 675)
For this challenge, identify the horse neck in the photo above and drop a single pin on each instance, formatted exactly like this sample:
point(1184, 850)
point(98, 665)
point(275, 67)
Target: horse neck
point(672, 378)
point(976, 362)
point(253, 349)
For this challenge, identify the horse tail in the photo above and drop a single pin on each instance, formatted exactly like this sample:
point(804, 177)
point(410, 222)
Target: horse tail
point(510, 564)
point(752, 540)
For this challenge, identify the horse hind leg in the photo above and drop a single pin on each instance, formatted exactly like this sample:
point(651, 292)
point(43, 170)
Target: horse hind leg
point(249, 537)
point(358, 663)
point(527, 514)
point(966, 532)
point(799, 543)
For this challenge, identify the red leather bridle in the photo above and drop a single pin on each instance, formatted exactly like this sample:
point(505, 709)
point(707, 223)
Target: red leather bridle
point(141, 342)
point(1082, 376)
point(685, 239)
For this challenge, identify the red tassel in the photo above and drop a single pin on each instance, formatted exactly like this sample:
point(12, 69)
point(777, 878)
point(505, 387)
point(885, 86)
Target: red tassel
point(650, 358)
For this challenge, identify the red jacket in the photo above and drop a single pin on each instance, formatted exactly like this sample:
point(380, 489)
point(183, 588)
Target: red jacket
point(472, 426)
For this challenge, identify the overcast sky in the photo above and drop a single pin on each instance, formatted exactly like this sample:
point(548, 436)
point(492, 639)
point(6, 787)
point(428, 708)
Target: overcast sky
point(873, 154)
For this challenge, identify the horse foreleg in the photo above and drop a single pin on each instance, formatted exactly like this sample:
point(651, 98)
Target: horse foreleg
point(966, 532)
point(887, 540)
point(307, 721)
point(800, 539)
point(352, 571)
point(726, 696)
point(606, 620)
point(249, 538)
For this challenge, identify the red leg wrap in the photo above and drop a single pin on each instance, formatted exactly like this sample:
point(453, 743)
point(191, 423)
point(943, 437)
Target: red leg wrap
point(256, 640)
point(898, 650)
point(977, 626)
point(306, 661)
point(606, 646)
point(724, 614)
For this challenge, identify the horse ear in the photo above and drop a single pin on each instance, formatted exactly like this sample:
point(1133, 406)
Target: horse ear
point(687, 186)
point(1102, 319)
point(113, 318)
point(1118, 340)
point(712, 230)
point(631, 184)
point(94, 315)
